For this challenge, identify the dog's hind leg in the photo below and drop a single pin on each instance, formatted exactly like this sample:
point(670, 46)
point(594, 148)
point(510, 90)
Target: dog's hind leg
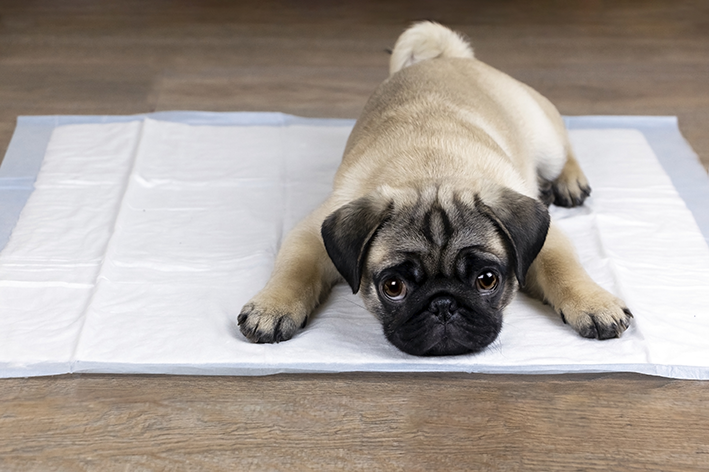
point(571, 187)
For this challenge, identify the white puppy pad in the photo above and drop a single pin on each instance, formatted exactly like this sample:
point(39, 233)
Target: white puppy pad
point(143, 238)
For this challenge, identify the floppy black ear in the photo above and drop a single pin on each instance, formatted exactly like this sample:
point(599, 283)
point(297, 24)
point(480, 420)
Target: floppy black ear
point(525, 223)
point(347, 234)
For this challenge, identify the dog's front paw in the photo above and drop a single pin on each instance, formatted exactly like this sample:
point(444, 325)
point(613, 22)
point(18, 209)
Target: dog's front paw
point(267, 323)
point(597, 315)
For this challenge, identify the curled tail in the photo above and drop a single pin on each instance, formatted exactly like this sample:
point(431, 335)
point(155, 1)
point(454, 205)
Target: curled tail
point(427, 40)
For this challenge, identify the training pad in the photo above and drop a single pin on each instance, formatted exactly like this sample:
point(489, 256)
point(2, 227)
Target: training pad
point(141, 238)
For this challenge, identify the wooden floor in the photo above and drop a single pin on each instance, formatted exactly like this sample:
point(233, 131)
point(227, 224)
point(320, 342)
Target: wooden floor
point(319, 58)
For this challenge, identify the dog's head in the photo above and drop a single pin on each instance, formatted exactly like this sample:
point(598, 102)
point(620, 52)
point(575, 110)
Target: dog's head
point(436, 267)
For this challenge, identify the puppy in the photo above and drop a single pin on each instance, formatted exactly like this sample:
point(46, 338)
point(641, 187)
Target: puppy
point(439, 211)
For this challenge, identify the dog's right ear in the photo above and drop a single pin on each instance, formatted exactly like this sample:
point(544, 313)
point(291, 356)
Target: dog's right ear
point(525, 223)
point(348, 232)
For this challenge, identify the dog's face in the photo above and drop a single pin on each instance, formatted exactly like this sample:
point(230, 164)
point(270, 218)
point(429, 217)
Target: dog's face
point(436, 266)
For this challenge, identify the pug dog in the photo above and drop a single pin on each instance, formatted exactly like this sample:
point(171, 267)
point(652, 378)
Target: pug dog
point(438, 212)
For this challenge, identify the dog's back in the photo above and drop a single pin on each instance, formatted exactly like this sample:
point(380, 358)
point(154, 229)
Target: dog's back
point(439, 96)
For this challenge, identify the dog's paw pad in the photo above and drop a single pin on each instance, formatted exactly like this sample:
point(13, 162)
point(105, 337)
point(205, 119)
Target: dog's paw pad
point(598, 319)
point(265, 326)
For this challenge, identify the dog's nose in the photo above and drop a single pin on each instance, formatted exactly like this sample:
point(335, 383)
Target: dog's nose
point(443, 307)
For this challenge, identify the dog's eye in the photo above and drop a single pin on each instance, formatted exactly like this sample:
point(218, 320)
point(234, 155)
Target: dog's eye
point(486, 281)
point(394, 289)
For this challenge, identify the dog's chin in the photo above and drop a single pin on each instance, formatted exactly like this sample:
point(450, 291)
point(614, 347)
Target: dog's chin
point(427, 334)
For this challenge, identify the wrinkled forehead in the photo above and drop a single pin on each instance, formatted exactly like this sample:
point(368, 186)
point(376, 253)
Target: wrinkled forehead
point(434, 228)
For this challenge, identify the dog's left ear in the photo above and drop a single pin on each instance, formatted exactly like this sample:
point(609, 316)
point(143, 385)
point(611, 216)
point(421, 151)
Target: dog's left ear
point(348, 232)
point(525, 223)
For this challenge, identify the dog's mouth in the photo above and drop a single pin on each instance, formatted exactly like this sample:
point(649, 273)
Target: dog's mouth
point(445, 328)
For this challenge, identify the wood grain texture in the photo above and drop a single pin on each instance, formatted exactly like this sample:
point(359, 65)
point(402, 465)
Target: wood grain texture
point(354, 422)
point(317, 58)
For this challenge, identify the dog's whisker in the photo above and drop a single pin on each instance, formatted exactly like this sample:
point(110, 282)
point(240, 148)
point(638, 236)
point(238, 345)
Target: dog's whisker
point(349, 300)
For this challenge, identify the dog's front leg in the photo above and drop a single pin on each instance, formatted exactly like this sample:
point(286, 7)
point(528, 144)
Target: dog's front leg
point(303, 274)
point(557, 277)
